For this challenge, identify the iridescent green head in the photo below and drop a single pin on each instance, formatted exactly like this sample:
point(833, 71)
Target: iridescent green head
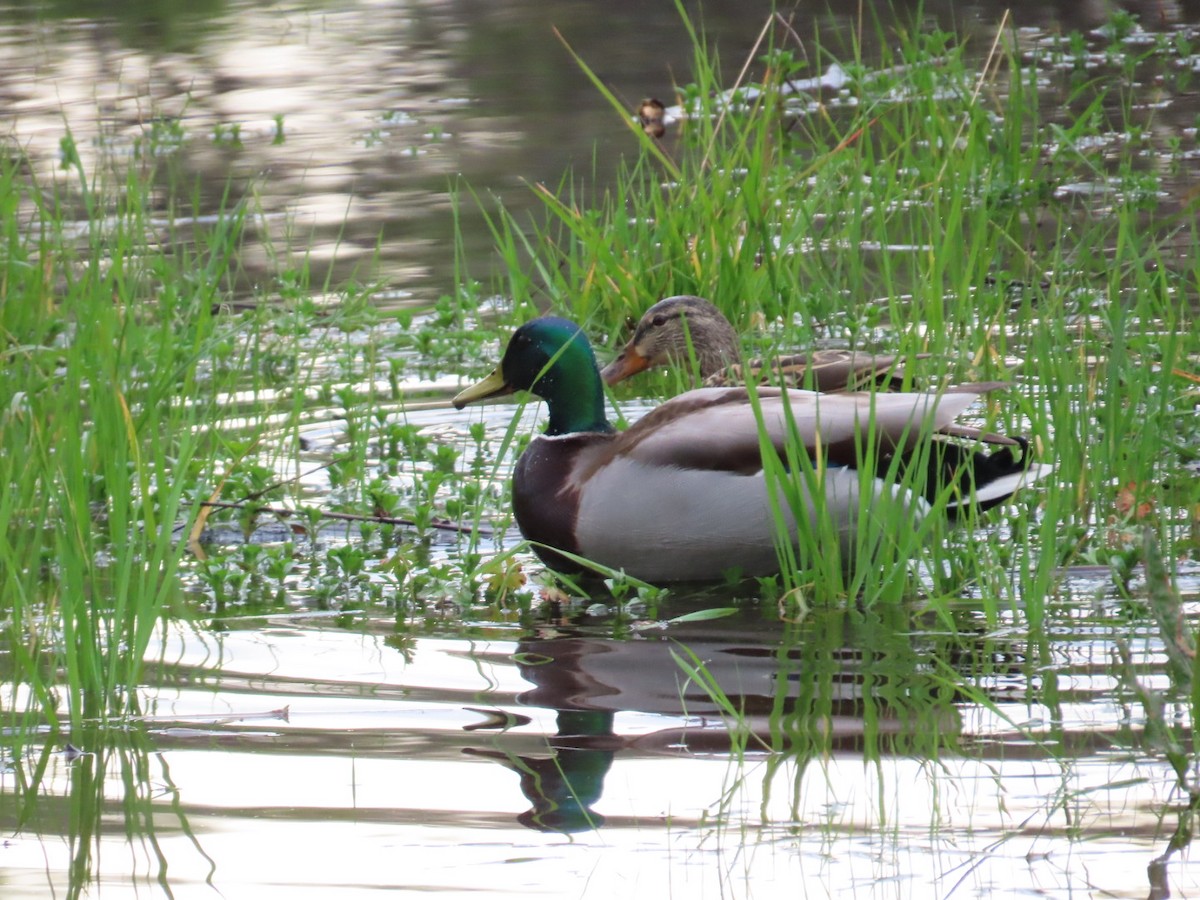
point(552, 358)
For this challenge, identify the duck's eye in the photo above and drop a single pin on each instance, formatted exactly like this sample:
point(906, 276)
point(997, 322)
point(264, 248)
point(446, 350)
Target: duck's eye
point(659, 321)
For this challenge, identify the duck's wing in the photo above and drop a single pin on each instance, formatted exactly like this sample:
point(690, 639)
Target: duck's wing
point(844, 370)
point(828, 371)
point(719, 428)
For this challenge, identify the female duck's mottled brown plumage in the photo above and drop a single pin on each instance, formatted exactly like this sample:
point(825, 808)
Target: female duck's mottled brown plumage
point(682, 496)
point(681, 329)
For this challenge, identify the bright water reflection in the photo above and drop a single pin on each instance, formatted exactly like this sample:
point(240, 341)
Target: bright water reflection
point(346, 127)
point(554, 761)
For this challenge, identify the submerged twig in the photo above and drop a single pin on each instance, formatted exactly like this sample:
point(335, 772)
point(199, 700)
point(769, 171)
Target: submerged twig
point(284, 512)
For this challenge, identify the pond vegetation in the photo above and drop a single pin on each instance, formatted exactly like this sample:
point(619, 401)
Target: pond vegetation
point(184, 467)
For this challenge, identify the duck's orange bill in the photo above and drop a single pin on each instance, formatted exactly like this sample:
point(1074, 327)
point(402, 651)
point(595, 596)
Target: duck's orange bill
point(629, 362)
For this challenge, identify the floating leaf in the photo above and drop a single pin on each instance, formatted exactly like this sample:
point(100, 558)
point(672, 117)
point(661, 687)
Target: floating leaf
point(703, 615)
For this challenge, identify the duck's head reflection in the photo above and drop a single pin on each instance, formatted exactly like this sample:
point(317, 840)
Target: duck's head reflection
point(564, 786)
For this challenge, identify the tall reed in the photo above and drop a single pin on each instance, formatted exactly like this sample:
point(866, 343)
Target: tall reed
point(102, 398)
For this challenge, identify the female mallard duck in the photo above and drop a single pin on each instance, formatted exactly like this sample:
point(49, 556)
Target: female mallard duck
point(681, 495)
point(680, 329)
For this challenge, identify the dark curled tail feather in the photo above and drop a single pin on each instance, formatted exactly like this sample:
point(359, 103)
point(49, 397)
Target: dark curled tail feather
point(967, 471)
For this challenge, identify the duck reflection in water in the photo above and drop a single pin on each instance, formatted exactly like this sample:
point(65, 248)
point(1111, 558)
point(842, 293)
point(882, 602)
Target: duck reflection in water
point(807, 695)
point(565, 785)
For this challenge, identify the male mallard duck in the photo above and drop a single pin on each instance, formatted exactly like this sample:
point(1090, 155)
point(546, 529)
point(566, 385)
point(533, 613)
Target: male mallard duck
point(678, 329)
point(681, 495)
